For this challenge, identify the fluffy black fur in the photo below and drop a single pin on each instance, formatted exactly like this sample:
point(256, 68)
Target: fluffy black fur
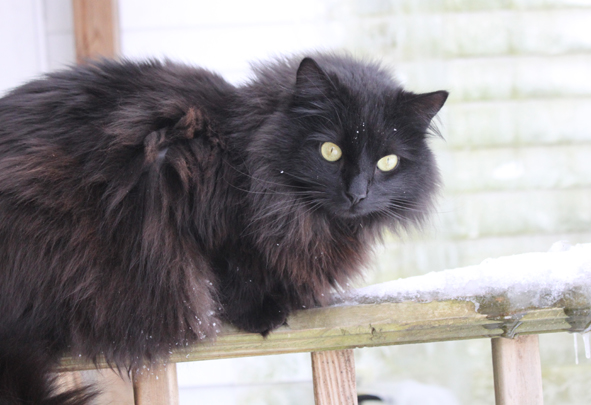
point(143, 203)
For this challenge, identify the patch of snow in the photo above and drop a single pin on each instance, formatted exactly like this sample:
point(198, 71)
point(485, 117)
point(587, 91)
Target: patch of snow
point(530, 279)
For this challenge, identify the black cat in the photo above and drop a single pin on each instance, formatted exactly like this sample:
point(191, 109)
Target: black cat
point(143, 203)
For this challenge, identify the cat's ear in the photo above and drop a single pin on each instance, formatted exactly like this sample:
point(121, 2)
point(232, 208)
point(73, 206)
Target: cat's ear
point(426, 105)
point(311, 79)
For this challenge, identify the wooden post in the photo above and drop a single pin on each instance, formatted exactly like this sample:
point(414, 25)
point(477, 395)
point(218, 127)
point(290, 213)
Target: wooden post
point(334, 377)
point(156, 386)
point(96, 29)
point(517, 371)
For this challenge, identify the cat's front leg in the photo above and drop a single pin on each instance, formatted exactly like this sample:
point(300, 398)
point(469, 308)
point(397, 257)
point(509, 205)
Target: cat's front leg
point(251, 307)
point(261, 316)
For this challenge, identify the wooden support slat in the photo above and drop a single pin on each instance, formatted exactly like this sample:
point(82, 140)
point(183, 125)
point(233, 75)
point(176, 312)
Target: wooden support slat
point(156, 386)
point(517, 371)
point(114, 388)
point(96, 29)
point(69, 380)
point(334, 377)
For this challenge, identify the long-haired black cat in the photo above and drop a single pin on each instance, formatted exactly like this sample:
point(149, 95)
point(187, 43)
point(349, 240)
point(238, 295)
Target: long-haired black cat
point(142, 203)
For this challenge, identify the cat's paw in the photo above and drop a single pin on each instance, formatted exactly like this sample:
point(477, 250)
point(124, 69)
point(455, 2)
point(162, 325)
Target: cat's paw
point(263, 319)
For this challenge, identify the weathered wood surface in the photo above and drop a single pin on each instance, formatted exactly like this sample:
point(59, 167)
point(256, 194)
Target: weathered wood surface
point(333, 373)
point(517, 371)
point(96, 29)
point(347, 327)
point(156, 385)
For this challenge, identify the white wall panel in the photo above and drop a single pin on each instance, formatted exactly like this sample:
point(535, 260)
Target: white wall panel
point(152, 14)
point(20, 47)
point(59, 18)
point(59, 27)
point(61, 51)
point(226, 35)
point(228, 50)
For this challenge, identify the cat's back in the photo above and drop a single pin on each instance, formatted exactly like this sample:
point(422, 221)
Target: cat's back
point(91, 94)
point(86, 123)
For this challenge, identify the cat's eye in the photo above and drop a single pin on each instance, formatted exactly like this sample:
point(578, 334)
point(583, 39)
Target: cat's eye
point(331, 151)
point(388, 163)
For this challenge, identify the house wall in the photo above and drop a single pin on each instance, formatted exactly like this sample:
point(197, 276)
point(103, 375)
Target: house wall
point(21, 42)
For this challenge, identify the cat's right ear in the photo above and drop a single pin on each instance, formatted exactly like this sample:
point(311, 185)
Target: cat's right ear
point(311, 80)
point(427, 104)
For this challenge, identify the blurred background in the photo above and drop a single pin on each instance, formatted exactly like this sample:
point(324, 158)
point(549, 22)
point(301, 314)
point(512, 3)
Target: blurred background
point(516, 154)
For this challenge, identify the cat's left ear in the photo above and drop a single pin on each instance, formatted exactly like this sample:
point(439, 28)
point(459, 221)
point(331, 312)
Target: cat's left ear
point(311, 80)
point(426, 105)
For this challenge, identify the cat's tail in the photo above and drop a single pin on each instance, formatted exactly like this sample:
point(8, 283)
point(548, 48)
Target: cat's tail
point(26, 378)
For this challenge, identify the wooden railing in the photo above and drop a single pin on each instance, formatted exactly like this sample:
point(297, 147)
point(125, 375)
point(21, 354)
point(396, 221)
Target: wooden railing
point(331, 332)
point(510, 301)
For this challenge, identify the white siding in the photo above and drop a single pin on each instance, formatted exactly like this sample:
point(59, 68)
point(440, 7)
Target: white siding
point(225, 35)
point(61, 50)
point(21, 44)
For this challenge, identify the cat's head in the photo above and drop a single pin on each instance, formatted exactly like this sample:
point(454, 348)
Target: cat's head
point(352, 144)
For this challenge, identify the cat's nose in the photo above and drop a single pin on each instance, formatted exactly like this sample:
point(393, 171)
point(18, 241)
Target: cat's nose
point(357, 190)
point(355, 197)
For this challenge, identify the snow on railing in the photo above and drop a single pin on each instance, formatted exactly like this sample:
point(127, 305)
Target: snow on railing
point(530, 280)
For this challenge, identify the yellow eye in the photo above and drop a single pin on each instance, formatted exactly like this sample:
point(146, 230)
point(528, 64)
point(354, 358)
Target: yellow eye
point(331, 151)
point(388, 163)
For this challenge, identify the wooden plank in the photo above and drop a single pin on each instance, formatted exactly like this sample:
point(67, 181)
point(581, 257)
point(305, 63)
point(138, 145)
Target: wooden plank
point(69, 380)
point(96, 29)
point(334, 377)
point(347, 327)
point(156, 385)
point(517, 371)
point(114, 388)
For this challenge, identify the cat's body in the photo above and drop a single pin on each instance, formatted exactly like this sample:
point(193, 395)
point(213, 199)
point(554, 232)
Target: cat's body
point(142, 204)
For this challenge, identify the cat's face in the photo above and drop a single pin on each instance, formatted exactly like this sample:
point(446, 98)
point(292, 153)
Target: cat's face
point(351, 144)
point(360, 150)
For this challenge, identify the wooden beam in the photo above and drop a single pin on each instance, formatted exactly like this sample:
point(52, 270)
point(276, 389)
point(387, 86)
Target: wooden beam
point(334, 377)
point(96, 29)
point(156, 385)
point(517, 371)
point(369, 325)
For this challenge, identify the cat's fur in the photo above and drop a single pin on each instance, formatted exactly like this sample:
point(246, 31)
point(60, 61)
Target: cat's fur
point(143, 203)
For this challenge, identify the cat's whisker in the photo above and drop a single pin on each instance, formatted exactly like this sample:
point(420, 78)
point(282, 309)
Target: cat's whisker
point(270, 211)
point(307, 180)
point(272, 192)
point(392, 215)
point(258, 179)
point(415, 208)
point(309, 206)
point(297, 217)
point(406, 203)
point(279, 208)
